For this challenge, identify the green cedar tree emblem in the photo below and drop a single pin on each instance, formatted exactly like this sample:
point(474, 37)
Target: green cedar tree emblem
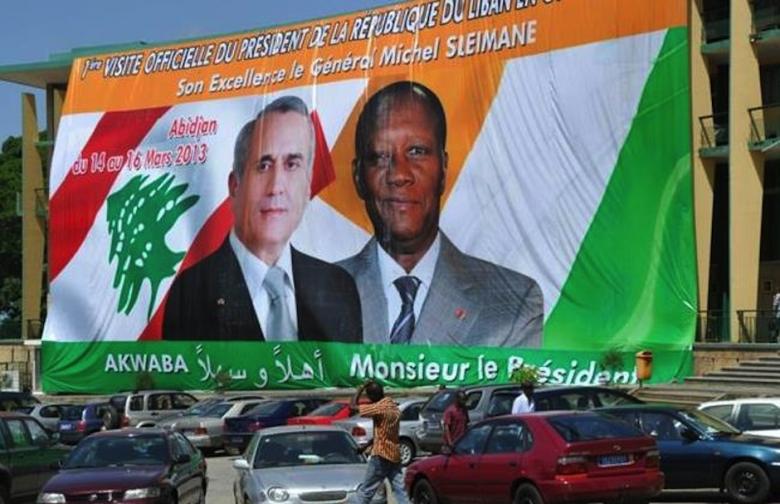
point(139, 216)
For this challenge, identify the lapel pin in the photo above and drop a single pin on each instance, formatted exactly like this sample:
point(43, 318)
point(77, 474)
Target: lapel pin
point(460, 313)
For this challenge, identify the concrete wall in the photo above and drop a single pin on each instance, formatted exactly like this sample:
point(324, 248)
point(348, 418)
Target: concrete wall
point(714, 356)
point(17, 356)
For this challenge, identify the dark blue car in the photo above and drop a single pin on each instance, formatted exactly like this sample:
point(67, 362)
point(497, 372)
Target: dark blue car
point(699, 451)
point(239, 430)
point(79, 421)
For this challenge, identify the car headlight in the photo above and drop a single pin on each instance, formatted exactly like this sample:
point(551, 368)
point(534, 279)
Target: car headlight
point(51, 498)
point(278, 494)
point(142, 493)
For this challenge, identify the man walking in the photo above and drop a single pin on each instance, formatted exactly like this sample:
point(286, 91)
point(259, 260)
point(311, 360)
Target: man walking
point(386, 456)
point(456, 419)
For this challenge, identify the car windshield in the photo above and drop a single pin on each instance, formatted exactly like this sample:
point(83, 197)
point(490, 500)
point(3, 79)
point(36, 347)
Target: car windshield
point(306, 448)
point(200, 408)
point(708, 423)
point(270, 408)
point(440, 401)
point(107, 451)
point(73, 413)
point(217, 410)
point(329, 409)
point(576, 428)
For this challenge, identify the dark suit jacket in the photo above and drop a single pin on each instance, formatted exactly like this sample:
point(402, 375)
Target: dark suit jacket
point(471, 302)
point(211, 301)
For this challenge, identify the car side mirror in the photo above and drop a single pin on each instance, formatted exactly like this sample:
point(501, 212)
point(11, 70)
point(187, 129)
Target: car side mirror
point(241, 464)
point(183, 458)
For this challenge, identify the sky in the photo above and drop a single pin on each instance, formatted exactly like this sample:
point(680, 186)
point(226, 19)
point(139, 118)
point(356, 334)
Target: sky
point(34, 30)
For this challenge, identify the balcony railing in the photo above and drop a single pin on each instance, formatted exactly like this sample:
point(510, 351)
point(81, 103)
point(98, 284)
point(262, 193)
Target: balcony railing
point(714, 130)
point(716, 25)
point(765, 126)
point(766, 16)
point(712, 326)
point(757, 326)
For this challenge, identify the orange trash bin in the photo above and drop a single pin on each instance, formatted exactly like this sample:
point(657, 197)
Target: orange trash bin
point(644, 365)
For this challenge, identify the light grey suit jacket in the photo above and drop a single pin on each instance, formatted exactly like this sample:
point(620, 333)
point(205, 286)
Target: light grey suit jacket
point(471, 302)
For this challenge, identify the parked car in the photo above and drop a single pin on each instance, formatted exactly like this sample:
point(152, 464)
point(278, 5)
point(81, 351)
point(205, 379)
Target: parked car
point(12, 401)
point(136, 465)
point(699, 451)
point(496, 400)
point(324, 415)
point(204, 430)
point(144, 409)
point(757, 415)
point(560, 456)
point(299, 463)
point(79, 421)
point(362, 428)
point(28, 456)
point(239, 430)
point(47, 415)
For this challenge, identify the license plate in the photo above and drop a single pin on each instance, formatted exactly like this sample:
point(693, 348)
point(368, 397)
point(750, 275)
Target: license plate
point(235, 439)
point(614, 460)
point(66, 427)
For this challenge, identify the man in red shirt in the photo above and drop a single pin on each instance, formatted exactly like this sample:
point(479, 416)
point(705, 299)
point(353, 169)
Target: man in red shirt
point(456, 419)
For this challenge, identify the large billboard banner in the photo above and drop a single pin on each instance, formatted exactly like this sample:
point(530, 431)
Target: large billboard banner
point(430, 192)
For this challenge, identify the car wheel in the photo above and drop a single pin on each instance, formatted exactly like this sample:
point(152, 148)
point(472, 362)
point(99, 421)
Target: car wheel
point(746, 483)
point(423, 493)
point(406, 448)
point(528, 494)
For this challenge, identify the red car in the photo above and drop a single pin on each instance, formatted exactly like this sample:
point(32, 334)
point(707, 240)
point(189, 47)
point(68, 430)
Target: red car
point(142, 466)
point(324, 415)
point(541, 458)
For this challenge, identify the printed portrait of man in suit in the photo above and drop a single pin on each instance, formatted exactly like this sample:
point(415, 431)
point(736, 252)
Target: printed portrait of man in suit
point(415, 285)
point(256, 286)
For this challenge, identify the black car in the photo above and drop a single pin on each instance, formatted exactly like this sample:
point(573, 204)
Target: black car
point(488, 401)
point(28, 456)
point(699, 451)
point(239, 430)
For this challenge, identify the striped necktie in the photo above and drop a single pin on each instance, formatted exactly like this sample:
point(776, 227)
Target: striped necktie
point(404, 324)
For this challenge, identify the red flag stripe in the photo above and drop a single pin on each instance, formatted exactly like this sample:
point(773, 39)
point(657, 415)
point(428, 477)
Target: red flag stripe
point(323, 172)
point(76, 202)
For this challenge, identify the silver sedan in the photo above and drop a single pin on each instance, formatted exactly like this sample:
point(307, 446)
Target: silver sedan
point(362, 429)
point(299, 463)
point(204, 430)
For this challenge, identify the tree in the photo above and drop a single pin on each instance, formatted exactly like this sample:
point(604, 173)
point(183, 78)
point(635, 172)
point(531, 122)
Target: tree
point(11, 231)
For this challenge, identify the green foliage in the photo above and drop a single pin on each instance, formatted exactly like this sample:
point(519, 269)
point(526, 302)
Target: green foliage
point(10, 230)
point(139, 216)
point(144, 381)
point(525, 374)
point(222, 381)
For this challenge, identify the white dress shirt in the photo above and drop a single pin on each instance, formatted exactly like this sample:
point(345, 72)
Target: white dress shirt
point(390, 270)
point(521, 404)
point(254, 270)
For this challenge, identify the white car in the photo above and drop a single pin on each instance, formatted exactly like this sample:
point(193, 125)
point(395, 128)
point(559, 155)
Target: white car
point(758, 415)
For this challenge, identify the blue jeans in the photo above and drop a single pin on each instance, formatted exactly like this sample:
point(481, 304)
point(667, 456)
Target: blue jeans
point(379, 469)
